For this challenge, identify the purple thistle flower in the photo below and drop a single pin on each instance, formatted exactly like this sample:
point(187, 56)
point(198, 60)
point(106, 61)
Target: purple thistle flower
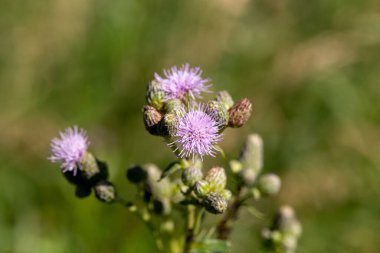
point(181, 82)
point(69, 148)
point(197, 133)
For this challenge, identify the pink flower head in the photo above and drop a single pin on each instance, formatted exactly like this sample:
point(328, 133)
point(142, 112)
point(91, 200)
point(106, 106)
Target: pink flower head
point(69, 148)
point(184, 81)
point(197, 133)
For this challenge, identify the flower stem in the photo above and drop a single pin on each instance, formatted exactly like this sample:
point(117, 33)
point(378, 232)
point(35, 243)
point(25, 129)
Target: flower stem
point(145, 217)
point(226, 225)
point(189, 237)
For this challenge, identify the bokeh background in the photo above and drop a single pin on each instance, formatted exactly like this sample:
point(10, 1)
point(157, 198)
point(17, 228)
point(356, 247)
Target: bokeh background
point(311, 69)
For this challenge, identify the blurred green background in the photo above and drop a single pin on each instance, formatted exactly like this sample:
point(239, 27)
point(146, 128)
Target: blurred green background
point(311, 69)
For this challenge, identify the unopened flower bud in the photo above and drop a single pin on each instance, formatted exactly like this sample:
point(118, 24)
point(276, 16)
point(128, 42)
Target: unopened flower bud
point(105, 192)
point(151, 119)
point(248, 177)
point(191, 175)
point(240, 113)
point(217, 111)
point(226, 194)
point(225, 99)
point(269, 184)
point(287, 222)
point(251, 155)
point(168, 125)
point(175, 106)
point(158, 188)
point(217, 179)
point(89, 166)
point(201, 188)
point(155, 95)
point(236, 166)
point(215, 203)
point(136, 174)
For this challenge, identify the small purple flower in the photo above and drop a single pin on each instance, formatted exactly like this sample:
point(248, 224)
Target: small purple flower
point(181, 82)
point(197, 133)
point(69, 148)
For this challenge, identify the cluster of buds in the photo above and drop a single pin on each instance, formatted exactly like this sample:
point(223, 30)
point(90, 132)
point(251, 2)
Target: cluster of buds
point(210, 190)
point(249, 166)
point(282, 236)
point(80, 167)
point(156, 193)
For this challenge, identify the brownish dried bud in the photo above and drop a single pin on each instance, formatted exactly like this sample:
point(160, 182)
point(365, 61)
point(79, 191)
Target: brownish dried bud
point(151, 119)
point(240, 113)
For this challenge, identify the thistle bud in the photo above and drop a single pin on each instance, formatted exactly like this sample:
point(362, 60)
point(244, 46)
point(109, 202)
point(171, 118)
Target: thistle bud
point(136, 174)
point(175, 106)
point(151, 119)
point(159, 189)
point(155, 95)
point(287, 222)
point(240, 113)
point(89, 166)
point(218, 111)
point(226, 194)
point(217, 179)
point(201, 188)
point(225, 99)
point(168, 125)
point(269, 184)
point(251, 156)
point(248, 177)
point(191, 175)
point(105, 192)
point(215, 203)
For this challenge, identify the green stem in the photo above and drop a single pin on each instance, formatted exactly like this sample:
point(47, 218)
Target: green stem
point(189, 237)
point(224, 228)
point(145, 217)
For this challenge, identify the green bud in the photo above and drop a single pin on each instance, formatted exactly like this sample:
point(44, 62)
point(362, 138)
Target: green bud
point(218, 111)
point(168, 125)
point(240, 113)
point(248, 177)
point(269, 184)
point(160, 189)
point(89, 166)
point(235, 166)
point(151, 119)
point(226, 194)
point(155, 95)
point(191, 175)
point(215, 203)
point(225, 99)
point(136, 174)
point(105, 192)
point(176, 107)
point(251, 155)
point(286, 221)
point(201, 188)
point(217, 179)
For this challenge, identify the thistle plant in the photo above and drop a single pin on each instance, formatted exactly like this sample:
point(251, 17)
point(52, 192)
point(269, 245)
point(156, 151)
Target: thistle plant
point(174, 201)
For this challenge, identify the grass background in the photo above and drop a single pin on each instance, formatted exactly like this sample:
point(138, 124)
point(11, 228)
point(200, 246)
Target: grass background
point(311, 69)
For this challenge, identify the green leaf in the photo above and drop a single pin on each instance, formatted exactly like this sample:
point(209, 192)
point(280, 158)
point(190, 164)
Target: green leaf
point(173, 167)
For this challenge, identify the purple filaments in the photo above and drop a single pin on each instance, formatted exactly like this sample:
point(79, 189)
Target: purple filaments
point(69, 148)
point(178, 83)
point(197, 134)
